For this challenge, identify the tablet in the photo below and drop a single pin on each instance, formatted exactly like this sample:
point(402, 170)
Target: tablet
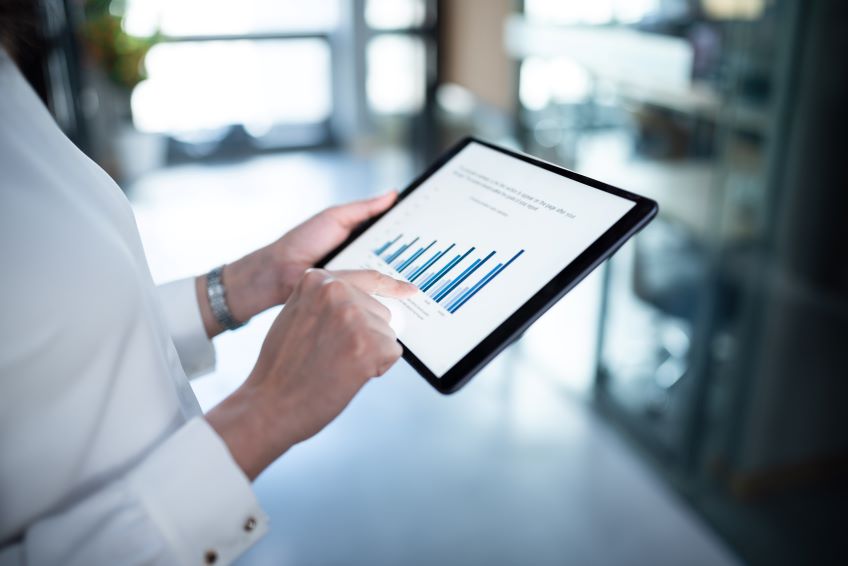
point(492, 239)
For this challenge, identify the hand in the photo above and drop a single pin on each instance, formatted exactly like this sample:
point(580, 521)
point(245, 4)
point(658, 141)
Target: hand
point(307, 243)
point(266, 277)
point(328, 341)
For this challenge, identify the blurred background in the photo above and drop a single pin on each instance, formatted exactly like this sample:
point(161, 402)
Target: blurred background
point(684, 405)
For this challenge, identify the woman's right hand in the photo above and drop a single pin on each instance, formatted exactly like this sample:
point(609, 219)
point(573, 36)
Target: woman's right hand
point(328, 341)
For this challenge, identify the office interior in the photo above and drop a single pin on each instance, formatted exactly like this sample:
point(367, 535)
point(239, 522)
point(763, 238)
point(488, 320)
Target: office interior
point(683, 405)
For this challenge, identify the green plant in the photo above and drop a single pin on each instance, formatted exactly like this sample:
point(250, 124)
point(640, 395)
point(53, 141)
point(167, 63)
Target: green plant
point(119, 54)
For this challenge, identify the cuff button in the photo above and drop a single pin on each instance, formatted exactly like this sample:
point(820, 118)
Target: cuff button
point(211, 557)
point(250, 524)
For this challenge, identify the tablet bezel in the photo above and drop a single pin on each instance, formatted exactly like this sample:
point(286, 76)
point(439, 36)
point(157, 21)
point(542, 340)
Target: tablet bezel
point(510, 329)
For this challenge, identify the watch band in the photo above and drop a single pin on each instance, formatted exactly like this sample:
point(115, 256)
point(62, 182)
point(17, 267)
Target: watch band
point(218, 300)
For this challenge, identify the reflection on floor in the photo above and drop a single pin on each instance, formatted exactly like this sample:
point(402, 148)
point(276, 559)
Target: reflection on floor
point(514, 469)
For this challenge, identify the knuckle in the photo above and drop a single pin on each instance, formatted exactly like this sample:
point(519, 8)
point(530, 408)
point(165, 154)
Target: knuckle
point(388, 333)
point(385, 365)
point(313, 277)
point(391, 354)
point(359, 346)
point(377, 307)
point(333, 289)
point(349, 313)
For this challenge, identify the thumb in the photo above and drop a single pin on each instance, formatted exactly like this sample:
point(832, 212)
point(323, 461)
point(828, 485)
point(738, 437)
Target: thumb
point(353, 213)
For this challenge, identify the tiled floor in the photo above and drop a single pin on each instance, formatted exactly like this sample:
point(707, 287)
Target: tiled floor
point(512, 470)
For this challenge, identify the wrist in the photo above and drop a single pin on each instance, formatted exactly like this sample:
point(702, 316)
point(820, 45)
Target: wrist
point(221, 298)
point(253, 284)
point(254, 433)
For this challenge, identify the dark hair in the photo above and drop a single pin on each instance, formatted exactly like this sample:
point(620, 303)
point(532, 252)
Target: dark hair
point(19, 26)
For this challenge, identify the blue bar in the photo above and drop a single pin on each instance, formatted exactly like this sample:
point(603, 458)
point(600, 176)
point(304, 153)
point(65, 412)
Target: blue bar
point(465, 274)
point(453, 298)
point(483, 282)
point(387, 245)
point(447, 288)
point(438, 275)
point(495, 270)
point(414, 256)
point(402, 249)
point(400, 261)
point(439, 288)
point(420, 269)
point(446, 268)
point(436, 288)
point(390, 257)
point(430, 262)
point(412, 269)
point(399, 264)
point(427, 277)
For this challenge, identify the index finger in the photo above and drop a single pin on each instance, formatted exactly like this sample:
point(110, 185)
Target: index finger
point(376, 283)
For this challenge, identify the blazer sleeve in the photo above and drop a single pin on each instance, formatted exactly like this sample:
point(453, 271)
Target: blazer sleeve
point(187, 502)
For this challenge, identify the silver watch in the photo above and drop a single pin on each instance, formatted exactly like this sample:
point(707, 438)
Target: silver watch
point(218, 300)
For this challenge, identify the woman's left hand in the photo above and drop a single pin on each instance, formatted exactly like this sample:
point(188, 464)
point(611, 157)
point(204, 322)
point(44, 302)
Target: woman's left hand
point(266, 277)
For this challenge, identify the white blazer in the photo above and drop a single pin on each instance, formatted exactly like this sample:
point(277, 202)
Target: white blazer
point(105, 457)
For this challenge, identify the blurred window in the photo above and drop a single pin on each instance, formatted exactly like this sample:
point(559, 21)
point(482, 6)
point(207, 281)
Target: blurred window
point(270, 69)
point(597, 12)
point(734, 9)
point(195, 86)
point(394, 14)
point(534, 90)
point(396, 74)
point(558, 79)
point(179, 18)
point(264, 65)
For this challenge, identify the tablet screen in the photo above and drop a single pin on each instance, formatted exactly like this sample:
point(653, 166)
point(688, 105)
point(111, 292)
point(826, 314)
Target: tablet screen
point(479, 237)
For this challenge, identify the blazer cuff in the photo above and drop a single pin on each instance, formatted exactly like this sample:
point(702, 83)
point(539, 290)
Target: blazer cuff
point(185, 324)
point(205, 506)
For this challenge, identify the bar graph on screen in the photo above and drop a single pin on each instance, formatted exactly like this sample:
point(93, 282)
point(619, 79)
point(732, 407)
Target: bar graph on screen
point(448, 275)
point(478, 238)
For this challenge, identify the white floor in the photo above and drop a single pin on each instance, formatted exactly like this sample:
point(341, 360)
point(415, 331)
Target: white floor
point(515, 469)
